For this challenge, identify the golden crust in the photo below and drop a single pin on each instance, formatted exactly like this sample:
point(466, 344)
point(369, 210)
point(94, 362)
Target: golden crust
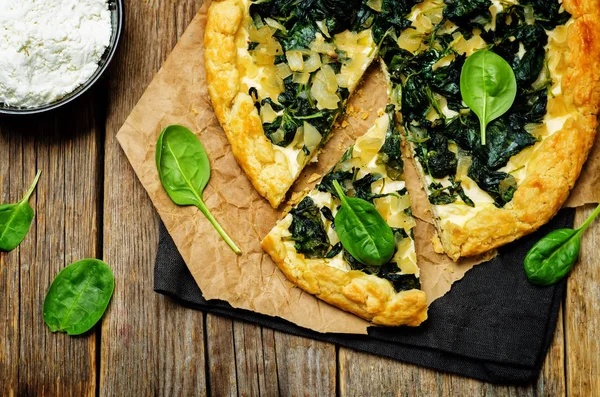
point(366, 296)
point(560, 157)
point(268, 171)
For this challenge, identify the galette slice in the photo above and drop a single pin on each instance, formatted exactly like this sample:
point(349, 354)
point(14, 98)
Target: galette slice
point(306, 247)
point(279, 74)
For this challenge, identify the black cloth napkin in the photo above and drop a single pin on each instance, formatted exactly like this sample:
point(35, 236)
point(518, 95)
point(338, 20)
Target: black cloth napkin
point(493, 325)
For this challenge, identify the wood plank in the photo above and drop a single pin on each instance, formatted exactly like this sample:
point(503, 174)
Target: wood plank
point(582, 314)
point(150, 345)
point(305, 367)
point(256, 365)
point(64, 145)
point(247, 360)
point(221, 356)
point(365, 374)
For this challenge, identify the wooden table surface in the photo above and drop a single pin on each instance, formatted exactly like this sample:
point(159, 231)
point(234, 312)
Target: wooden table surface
point(89, 203)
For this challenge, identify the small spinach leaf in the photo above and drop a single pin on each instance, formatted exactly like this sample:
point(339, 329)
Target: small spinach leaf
point(363, 231)
point(15, 220)
point(551, 258)
point(184, 171)
point(78, 296)
point(488, 86)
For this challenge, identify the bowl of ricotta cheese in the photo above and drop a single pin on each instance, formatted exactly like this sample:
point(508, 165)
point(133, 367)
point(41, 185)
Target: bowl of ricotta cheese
point(52, 51)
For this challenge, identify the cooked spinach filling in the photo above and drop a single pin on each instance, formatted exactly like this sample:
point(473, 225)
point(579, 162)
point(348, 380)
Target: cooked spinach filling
point(308, 229)
point(422, 88)
point(389, 155)
point(297, 30)
point(419, 84)
point(308, 233)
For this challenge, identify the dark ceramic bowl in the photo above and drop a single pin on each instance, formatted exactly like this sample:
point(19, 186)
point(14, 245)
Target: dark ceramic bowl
point(116, 10)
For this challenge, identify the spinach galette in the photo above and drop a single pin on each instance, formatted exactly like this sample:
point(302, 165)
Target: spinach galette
point(306, 246)
point(280, 73)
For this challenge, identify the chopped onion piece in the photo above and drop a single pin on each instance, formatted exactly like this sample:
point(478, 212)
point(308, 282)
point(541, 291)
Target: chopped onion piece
point(277, 136)
point(298, 141)
point(364, 37)
point(261, 35)
point(347, 41)
point(423, 24)
point(312, 137)
point(343, 79)
point(283, 70)
point(528, 12)
point(295, 60)
point(323, 26)
point(312, 63)
point(262, 58)
point(331, 83)
point(319, 45)
point(267, 114)
point(325, 98)
point(442, 62)
point(375, 4)
point(271, 48)
point(301, 78)
point(275, 25)
point(409, 41)
point(301, 157)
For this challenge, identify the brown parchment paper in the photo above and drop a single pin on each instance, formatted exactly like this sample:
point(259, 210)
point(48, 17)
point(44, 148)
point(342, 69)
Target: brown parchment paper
point(178, 95)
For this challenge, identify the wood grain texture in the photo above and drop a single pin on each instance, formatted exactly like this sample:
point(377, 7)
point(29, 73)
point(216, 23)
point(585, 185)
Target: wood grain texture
point(221, 356)
point(247, 360)
point(64, 145)
point(305, 367)
point(362, 374)
point(582, 314)
point(149, 345)
point(255, 360)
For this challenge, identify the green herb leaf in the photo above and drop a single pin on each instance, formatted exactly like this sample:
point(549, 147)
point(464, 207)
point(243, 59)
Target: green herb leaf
point(184, 172)
point(551, 258)
point(78, 296)
point(15, 220)
point(488, 86)
point(363, 231)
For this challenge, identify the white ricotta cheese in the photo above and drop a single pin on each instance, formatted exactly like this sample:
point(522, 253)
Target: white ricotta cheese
point(48, 48)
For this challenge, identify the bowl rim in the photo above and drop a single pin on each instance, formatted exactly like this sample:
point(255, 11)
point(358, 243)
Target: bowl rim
point(85, 86)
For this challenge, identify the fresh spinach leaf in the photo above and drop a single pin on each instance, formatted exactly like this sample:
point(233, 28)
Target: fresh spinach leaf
point(308, 231)
point(184, 172)
point(488, 86)
point(78, 296)
point(363, 231)
point(16, 219)
point(553, 256)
